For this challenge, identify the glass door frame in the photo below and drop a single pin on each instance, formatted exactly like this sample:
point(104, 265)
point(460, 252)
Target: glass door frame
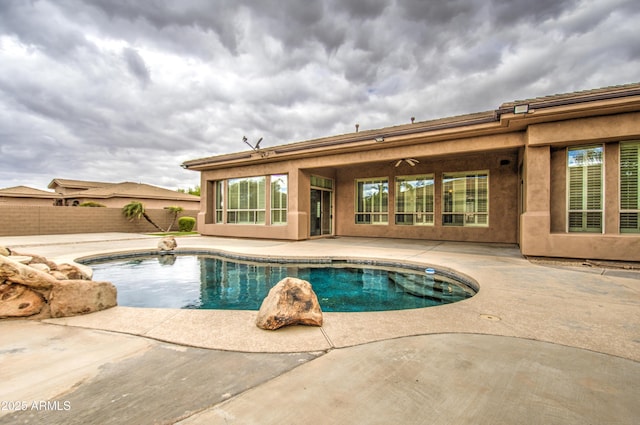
point(319, 230)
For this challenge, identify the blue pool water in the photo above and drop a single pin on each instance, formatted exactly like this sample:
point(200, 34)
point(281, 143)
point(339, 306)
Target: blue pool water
point(208, 282)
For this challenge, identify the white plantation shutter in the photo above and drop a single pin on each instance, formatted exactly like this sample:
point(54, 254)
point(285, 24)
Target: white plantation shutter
point(585, 189)
point(466, 199)
point(629, 187)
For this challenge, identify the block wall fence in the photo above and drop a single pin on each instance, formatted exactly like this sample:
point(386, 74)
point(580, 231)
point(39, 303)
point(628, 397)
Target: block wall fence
point(28, 221)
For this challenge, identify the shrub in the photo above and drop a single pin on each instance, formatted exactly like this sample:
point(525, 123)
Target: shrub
point(186, 224)
point(91, 204)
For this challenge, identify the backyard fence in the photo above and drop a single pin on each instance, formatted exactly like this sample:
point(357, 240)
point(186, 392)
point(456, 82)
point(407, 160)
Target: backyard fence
point(28, 220)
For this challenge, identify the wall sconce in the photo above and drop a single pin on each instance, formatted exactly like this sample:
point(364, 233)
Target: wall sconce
point(380, 139)
point(521, 109)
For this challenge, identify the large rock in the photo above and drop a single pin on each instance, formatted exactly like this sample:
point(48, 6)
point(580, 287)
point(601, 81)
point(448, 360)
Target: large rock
point(19, 301)
point(73, 297)
point(12, 271)
point(290, 302)
point(73, 272)
point(34, 291)
point(168, 243)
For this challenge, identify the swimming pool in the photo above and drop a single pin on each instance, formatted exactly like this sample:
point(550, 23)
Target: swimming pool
point(214, 282)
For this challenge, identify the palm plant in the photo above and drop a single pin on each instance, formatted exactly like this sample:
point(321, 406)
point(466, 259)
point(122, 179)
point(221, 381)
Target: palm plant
point(175, 211)
point(135, 210)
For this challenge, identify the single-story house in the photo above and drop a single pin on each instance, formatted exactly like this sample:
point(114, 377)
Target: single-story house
point(28, 196)
point(557, 175)
point(117, 195)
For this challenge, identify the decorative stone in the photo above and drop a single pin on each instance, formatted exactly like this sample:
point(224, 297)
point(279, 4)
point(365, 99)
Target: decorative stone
point(72, 272)
point(12, 271)
point(73, 297)
point(291, 301)
point(35, 259)
point(19, 301)
point(24, 259)
point(168, 243)
point(31, 291)
point(40, 266)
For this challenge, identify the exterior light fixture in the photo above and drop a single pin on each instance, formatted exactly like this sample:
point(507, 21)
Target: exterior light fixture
point(521, 109)
point(380, 139)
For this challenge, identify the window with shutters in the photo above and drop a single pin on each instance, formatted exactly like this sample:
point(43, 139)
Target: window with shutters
point(279, 184)
point(585, 184)
point(629, 187)
point(246, 200)
point(414, 200)
point(372, 201)
point(219, 200)
point(465, 199)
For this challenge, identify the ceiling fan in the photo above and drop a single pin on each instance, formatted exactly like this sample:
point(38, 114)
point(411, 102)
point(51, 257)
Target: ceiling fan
point(410, 161)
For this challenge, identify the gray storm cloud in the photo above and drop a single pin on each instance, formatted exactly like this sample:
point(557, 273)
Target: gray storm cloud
point(117, 90)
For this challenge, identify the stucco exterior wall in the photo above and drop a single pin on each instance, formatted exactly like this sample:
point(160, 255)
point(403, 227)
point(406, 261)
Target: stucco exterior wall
point(525, 155)
point(119, 202)
point(24, 201)
point(23, 221)
point(543, 224)
point(206, 222)
point(503, 199)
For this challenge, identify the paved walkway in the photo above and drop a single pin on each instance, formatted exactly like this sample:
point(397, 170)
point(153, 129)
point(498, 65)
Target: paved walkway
point(537, 344)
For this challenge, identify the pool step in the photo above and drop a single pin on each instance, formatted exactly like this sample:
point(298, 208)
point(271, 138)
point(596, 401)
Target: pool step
point(429, 286)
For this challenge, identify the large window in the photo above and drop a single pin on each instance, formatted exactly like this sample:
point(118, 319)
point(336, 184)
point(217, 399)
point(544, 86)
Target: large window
point(372, 201)
point(414, 200)
point(279, 185)
point(465, 199)
point(246, 200)
point(629, 187)
point(585, 168)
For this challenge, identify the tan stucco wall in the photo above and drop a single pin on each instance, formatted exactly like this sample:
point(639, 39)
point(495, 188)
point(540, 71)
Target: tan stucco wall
point(22, 221)
point(543, 224)
point(526, 207)
point(503, 198)
point(290, 231)
point(118, 202)
point(585, 130)
point(503, 195)
point(31, 202)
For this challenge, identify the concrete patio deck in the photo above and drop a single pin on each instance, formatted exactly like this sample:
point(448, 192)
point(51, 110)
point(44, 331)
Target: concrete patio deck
point(537, 344)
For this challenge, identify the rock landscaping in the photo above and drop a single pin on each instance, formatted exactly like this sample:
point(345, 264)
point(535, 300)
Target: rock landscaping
point(34, 287)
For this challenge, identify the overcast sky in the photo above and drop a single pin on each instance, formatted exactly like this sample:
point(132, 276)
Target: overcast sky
point(121, 90)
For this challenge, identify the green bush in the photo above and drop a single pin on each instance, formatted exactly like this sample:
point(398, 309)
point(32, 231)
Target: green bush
point(186, 224)
point(91, 204)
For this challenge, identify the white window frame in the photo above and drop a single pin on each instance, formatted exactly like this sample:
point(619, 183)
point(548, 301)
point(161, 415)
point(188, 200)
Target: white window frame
point(467, 203)
point(375, 210)
point(585, 193)
point(417, 207)
point(279, 198)
point(247, 208)
point(630, 187)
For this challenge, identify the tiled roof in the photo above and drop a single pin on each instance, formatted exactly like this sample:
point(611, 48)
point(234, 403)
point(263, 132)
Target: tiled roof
point(25, 191)
point(461, 121)
point(133, 190)
point(78, 184)
point(611, 91)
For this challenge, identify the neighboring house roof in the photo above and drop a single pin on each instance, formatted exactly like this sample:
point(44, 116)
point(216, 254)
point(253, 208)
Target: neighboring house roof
point(133, 190)
point(76, 184)
point(27, 192)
